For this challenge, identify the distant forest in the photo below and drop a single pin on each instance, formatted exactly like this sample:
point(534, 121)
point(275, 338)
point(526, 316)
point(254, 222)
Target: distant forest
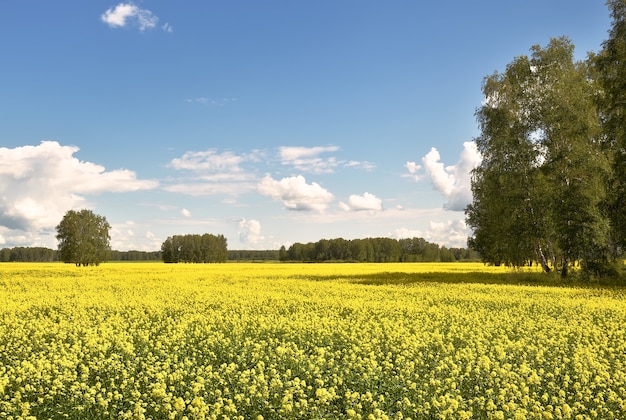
point(339, 250)
point(375, 250)
point(40, 254)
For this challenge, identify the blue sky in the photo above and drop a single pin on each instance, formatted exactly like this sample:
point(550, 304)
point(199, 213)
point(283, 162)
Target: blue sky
point(270, 122)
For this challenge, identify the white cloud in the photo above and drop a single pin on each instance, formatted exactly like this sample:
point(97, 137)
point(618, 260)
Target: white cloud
point(368, 166)
point(292, 154)
point(209, 161)
point(117, 16)
point(213, 173)
point(307, 159)
point(451, 233)
point(125, 13)
point(197, 189)
point(454, 181)
point(414, 170)
point(250, 232)
point(130, 236)
point(185, 213)
point(366, 201)
point(203, 100)
point(404, 233)
point(38, 184)
point(13, 237)
point(295, 193)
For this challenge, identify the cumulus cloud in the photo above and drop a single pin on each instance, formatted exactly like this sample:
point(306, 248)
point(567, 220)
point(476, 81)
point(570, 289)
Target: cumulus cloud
point(250, 232)
point(118, 15)
point(366, 201)
point(414, 170)
point(295, 193)
point(404, 233)
point(454, 181)
point(129, 236)
point(451, 233)
point(213, 173)
point(38, 184)
point(185, 213)
point(128, 13)
point(13, 238)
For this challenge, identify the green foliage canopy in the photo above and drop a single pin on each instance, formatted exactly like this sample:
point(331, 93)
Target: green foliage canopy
point(374, 250)
point(205, 248)
point(610, 71)
point(83, 238)
point(550, 154)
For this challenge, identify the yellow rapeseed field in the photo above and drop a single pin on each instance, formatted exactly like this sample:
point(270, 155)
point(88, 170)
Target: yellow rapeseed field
point(304, 341)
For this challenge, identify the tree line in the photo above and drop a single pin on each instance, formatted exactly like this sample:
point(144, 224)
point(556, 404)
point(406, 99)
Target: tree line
point(253, 255)
point(134, 255)
point(195, 248)
point(375, 250)
point(84, 240)
point(28, 254)
point(42, 254)
point(551, 187)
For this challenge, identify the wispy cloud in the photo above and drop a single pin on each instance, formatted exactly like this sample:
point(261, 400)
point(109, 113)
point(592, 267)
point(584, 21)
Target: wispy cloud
point(38, 184)
point(295, 193)
point(209, 161)
point(124, 14)
point(213, 172)
point(454, 181)
point(308, 159)
point(196, 187)
point(203, 100)
point(294, 154)
point(368, 166)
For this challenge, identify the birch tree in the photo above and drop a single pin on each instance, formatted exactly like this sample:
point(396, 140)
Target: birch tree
point(539, 190)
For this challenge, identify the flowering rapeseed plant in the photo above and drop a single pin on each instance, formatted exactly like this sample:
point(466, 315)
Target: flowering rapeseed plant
point(272, 341)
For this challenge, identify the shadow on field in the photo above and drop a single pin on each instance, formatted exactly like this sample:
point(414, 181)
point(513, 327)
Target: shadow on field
point(401, 278)
point(511, 278)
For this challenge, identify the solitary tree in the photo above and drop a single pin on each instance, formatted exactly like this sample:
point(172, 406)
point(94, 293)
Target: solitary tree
point(83, 238)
